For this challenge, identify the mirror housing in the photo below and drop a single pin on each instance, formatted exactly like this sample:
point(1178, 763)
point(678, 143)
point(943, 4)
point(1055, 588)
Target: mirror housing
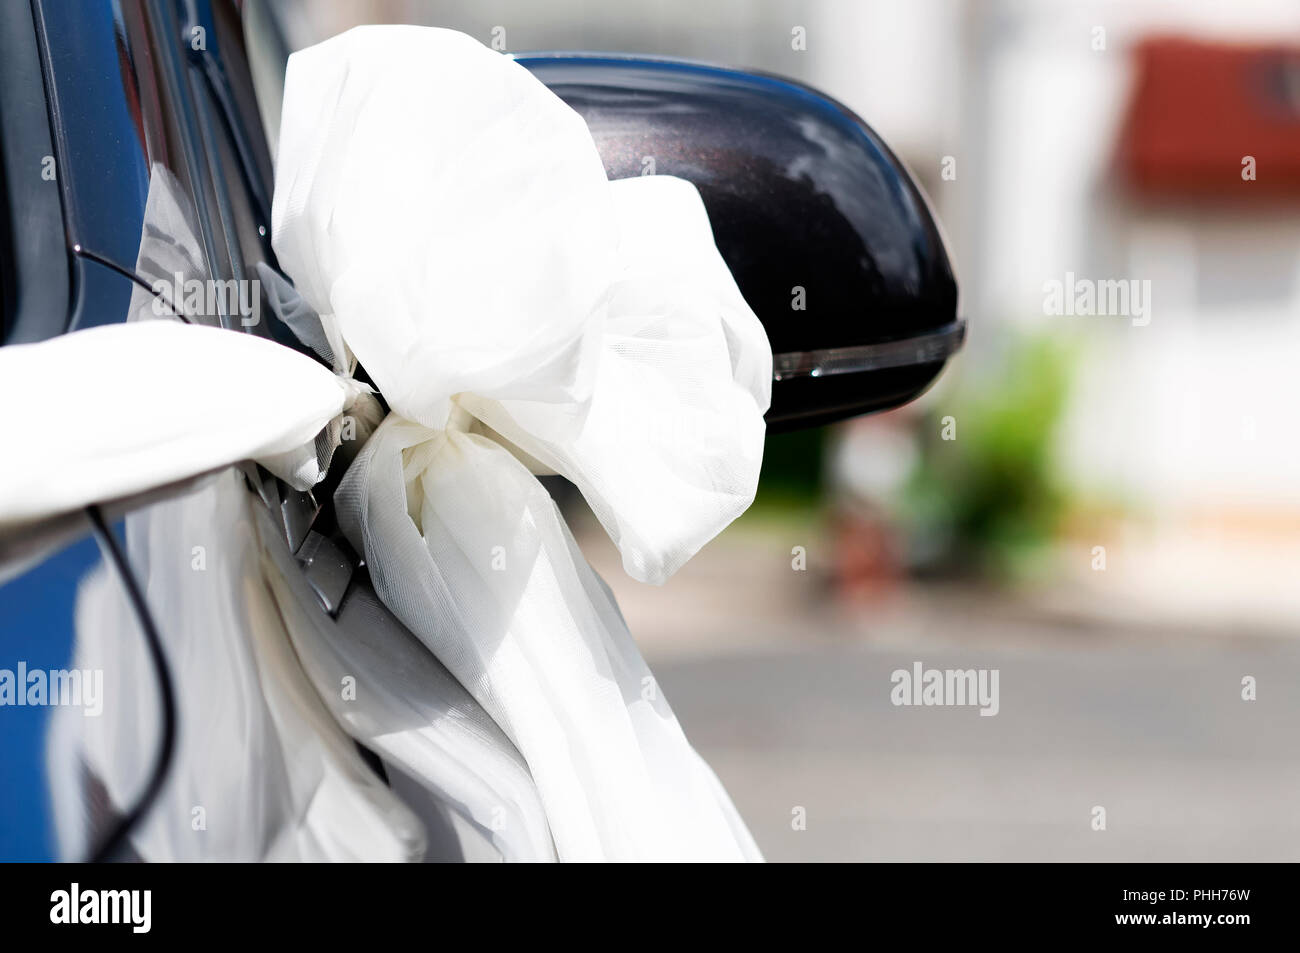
point(829, 239)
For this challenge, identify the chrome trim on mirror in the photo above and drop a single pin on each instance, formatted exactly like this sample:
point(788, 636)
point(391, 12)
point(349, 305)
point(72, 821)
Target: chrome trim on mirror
point(924, 349)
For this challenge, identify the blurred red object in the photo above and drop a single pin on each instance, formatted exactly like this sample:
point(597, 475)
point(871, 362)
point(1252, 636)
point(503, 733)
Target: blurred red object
point(1198, 109)
point(868, 564)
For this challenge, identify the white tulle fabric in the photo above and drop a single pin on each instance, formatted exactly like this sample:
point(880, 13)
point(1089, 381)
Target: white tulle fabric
point(146, 403)
point(449, 219)
point(404, 706)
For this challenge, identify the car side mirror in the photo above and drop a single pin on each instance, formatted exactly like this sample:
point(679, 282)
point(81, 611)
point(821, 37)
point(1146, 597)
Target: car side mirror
point(828, 237)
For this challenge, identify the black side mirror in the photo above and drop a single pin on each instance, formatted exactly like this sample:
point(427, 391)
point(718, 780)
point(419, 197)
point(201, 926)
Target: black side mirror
point(830, 240)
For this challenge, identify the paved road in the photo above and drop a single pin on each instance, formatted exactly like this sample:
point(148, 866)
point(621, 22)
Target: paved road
point(1156, 734)
point(788, 696)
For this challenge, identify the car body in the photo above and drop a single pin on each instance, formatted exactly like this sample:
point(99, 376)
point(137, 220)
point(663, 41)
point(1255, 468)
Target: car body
point(135, 158)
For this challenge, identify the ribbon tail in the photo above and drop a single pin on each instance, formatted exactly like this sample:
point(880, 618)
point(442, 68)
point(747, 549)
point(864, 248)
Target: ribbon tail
point(468, 550)
point(126, 408)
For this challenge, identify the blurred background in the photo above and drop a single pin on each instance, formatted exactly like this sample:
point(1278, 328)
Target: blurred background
point(1106, 510)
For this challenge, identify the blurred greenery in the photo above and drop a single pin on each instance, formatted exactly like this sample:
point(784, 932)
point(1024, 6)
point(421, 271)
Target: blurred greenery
point(988, 500)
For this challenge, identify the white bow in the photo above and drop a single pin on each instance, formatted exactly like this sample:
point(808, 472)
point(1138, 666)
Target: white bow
point(450, 217)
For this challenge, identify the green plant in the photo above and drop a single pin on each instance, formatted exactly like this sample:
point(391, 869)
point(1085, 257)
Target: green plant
point(987, 499)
